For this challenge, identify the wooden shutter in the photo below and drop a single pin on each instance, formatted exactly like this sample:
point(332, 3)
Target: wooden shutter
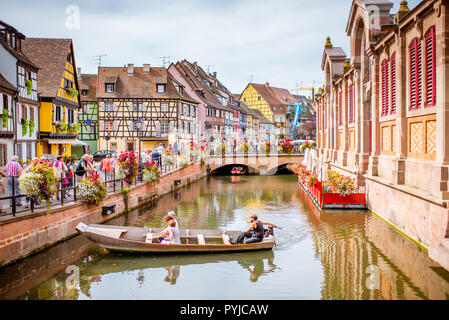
point(430, 67)
point(351, 105)
point(415, 74)
point(385, 95)
point(340, 116)
point(393, 83)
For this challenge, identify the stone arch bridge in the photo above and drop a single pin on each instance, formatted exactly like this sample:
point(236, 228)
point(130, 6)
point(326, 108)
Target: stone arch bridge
point(256, 163)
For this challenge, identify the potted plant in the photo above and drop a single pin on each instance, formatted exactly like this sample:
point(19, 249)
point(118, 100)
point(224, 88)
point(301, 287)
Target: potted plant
point(24, 126)
point(5, 117)
point(31, 127)
point(29, 86)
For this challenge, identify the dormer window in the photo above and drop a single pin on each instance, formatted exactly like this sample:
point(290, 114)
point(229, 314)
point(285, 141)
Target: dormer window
point(161, 88)
point(69, 58)
point(110, 87)
point(181, 90)
point(84, 93)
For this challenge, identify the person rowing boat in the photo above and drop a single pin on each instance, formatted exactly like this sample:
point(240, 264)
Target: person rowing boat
point(171, 234)
point(254, 233)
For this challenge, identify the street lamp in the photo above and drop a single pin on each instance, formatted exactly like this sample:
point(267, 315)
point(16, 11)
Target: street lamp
point(139, 129)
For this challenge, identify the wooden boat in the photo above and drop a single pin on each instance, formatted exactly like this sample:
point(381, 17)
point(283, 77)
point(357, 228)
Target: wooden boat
point(135, 239)
point(238, 171)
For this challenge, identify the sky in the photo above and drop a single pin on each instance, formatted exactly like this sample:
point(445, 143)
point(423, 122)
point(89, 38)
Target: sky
point(275, 41)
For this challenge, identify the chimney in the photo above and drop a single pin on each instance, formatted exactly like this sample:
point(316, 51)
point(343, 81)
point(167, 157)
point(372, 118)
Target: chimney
point(78, 72)
point(130, 69)
point(267, 84)
point(195, 67)
point(146, 68)
point(215, 75)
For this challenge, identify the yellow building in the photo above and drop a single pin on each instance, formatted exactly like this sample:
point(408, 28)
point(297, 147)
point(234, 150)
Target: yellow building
point(272, 102)
point(59, 94)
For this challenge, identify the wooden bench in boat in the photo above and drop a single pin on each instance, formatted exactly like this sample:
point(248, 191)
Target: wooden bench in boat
point(200, 237)
point(225, 238)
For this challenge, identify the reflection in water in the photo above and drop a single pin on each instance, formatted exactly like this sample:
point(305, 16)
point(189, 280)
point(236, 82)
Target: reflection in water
point(318, 255)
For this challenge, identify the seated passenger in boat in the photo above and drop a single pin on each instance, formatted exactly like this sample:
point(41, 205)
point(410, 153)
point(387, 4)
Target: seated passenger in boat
point(171, 234)
point(254, 233)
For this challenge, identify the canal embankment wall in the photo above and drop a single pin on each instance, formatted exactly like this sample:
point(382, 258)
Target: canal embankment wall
point(28, 234)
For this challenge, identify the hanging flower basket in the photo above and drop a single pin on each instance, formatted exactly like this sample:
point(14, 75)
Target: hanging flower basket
point(151, 173)
point(286, 147)
point(31, 127)
point(39, 180)
point(92, 190)
point(126, 167)
point(182, 161)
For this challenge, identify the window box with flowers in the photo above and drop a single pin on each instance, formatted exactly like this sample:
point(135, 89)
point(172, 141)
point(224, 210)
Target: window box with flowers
point(73, 127)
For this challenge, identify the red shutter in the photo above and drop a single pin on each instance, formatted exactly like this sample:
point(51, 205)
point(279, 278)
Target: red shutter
point(415, 75)
point(340, 118)
point(385, 86)
point(430, 68)
point(393, 83)
point(351, 105)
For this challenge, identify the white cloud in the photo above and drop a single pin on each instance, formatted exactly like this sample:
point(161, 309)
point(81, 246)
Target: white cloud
point(276, 41)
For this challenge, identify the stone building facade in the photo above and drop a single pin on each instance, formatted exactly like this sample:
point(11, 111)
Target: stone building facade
point(383, 115)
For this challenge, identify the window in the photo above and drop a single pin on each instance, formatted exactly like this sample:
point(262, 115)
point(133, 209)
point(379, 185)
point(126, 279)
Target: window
point(71, 116)
point(259, 98)
point(109, 125)
point(161, 88)
point(164, 107)
point(84, 93)
point(57, 113)
point(393, 83)
point(3, 155)
point(188, 127)
point(181, 108)
point(69, 58)
point(108, 106)
point(182, 126)
point(385, 88)
point(351, 104)
point(430, 67)
point(68, 83)
point(135, 106)
point(415, 74)
point(165, 127)
point(29, 150)
point(110, 88)
point(181, 90)
point(5, 102)
point(114, 146)
point(193, 111)
point(27, 75)
point(217, 113)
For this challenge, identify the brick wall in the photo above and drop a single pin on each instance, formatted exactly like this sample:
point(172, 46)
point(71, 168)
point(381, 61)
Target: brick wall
point(22, 236)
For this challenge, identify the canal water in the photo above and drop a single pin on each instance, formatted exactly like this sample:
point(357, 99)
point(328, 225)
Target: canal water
point(318, 255)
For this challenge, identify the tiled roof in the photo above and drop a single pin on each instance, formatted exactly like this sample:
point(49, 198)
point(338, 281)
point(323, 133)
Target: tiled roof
point(261, 117)
point(50, 55)
point(283, 95)
point(21, 56)
point(6, 84)
point(88, 82)
point(270, 97)
point(139, 84)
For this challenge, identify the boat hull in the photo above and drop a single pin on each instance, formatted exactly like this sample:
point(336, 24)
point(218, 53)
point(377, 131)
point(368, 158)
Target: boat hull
point(95, 233)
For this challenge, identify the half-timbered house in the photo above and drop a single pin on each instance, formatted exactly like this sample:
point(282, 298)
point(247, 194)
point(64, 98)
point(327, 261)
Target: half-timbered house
point(140, 107)
point(58, 94)
point(88, 115)
point(20, 108)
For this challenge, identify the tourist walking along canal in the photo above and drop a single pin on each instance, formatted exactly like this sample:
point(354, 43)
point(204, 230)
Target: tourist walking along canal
point(333, 254)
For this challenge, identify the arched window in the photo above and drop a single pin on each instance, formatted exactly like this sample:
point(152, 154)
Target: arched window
point(430, 67)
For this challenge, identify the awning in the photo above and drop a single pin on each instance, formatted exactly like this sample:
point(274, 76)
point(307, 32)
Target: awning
point(73, 142)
